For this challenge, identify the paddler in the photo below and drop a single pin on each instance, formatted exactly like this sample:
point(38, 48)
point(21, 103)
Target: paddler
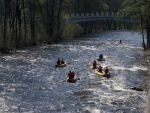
point(94, 64)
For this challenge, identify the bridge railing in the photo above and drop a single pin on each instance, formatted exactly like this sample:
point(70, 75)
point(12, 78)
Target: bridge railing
point(92, 14)
point(74, 18)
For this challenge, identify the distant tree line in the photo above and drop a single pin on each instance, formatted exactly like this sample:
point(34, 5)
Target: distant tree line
point(32, 22)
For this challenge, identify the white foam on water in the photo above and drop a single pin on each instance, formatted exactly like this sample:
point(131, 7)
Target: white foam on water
point(22, 51)
point(132, 47)
point(4, 108)
point(133, 68)
point(88, 48)
point(92, 110)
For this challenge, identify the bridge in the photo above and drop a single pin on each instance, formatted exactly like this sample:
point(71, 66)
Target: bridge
point(76, 18)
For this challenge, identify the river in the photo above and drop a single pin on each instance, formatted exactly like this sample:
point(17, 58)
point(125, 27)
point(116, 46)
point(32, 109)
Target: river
point(29, 82)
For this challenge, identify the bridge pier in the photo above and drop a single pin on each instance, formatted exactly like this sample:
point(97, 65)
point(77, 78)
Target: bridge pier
point(77, 15)
point(97, 13)
point(87, 14)
point(82, 14)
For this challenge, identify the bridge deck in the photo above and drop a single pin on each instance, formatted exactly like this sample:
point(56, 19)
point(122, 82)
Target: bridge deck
point(91, 17)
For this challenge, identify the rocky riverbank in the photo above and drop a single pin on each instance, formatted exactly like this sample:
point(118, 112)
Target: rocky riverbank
point(148, 64)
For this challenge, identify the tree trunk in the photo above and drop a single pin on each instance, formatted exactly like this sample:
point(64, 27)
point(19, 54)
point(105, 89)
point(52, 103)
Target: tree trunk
point(148, 32)
point(58, 22)
point(143, 43)
point(50, 20)
point(32, 28)
point(5, 28)
point(51, 29)
point(25, 25)
point(148, 38)
point(20, 23)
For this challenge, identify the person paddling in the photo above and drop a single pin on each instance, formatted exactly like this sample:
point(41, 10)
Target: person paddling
point(71, 74)
point(99, 69)
point(101, 56)
point(94, 64)
point(71, 77)
point(62, 61)
point(58, 62)
point(120, 41)
point(106, 70)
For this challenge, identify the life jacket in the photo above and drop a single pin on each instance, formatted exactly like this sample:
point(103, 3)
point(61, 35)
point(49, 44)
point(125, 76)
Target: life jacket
point(94, 64)
point(62, 62)
point(58, 62)
point(106, 70)
point(100, 69)
point(101, 57)
point(72, 74)
point(69, 75)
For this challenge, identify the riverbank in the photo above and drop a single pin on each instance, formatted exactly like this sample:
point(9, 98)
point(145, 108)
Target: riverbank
point(148, 64)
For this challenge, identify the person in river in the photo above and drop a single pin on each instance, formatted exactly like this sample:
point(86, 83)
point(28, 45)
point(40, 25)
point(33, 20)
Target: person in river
point(106, 70)
point(101, 56)
point(120, 41)
point(58, 62)
point(71, 74)
point(100, 69)
point(94, 64)
point(62, 61)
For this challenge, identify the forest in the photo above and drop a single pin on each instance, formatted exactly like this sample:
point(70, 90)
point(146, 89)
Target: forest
point(34, 22)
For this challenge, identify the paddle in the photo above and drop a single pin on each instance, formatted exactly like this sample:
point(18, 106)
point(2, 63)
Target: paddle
point(112, 76)
point(136, 88)
point(68, 63)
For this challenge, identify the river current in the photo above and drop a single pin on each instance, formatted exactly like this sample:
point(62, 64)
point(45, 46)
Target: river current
point(30, 83)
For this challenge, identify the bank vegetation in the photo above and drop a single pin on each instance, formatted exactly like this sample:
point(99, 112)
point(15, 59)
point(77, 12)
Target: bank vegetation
point(34, 22)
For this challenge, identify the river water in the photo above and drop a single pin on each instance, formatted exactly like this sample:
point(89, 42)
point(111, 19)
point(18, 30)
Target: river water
point(29, 82)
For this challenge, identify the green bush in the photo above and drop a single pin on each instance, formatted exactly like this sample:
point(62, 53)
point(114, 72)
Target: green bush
point(72, 31)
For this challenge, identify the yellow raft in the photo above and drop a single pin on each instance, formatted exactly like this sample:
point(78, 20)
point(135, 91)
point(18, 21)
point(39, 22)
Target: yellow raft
point(71, 80)
point(103, 59)
point(61, 65)
point(102, 74)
